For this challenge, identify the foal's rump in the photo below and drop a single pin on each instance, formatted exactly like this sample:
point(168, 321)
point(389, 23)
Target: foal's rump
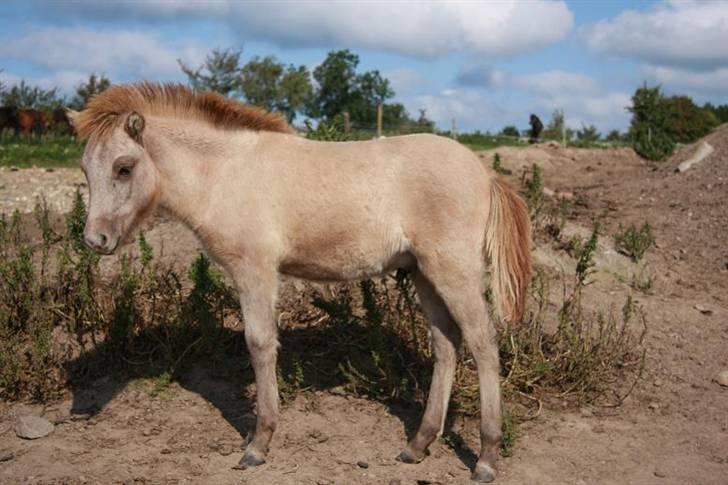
point(358, 209)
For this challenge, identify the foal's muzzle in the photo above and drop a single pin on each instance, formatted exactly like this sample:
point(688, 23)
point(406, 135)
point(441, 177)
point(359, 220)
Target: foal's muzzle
point(100, 242)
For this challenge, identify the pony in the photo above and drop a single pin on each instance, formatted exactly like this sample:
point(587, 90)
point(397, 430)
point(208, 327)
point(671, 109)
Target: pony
point(266, 202)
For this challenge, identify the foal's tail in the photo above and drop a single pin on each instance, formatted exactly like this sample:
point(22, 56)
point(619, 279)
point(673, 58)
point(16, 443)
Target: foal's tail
point(507, 244)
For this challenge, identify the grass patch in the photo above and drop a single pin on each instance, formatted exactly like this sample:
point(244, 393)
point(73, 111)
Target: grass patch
point(40, 151)
point(483, 141)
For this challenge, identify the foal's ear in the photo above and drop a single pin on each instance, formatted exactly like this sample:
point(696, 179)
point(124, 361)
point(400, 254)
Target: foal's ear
point(134, 126)
point(72, 116)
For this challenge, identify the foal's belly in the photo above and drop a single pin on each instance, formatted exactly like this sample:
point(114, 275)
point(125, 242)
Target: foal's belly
point(334, 267)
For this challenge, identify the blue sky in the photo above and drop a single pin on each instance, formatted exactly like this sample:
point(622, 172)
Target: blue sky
point(486, 64)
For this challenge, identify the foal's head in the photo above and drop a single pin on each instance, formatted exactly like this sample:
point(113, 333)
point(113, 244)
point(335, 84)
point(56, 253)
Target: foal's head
point(122, 181)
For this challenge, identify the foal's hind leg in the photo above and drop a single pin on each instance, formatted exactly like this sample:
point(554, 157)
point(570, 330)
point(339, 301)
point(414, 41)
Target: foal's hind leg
point(458, 281)
point(445, 342)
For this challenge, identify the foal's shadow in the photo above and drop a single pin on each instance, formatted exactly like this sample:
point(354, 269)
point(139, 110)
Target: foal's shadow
point(314, 355)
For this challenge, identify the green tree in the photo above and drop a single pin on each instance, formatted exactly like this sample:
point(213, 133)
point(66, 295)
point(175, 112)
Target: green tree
point(556, 127)
point(340, 88)
point(588, 133)
point(510, 130)
point(336, 80)
point(371, 89)
point(614, 136)
point(85, 90)
point(686, 122)
point(649, 126)
point(23, 95)
point(269, 84)
point(220, 72)
point(720, 111)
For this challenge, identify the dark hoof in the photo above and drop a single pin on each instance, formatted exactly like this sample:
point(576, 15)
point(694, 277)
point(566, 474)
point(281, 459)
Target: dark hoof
point(408, 457)
point(483, 474)
point(249, 460)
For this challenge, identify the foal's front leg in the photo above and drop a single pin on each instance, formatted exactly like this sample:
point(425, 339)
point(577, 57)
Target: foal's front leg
point(258, 293)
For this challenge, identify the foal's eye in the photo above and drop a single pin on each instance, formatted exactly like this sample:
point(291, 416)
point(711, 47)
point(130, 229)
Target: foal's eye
point(124, 172)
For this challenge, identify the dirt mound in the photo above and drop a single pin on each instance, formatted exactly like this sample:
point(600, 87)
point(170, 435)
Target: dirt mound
point(718, 139)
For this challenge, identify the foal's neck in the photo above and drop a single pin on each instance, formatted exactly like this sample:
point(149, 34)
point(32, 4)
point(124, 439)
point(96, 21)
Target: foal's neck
point(189, 157)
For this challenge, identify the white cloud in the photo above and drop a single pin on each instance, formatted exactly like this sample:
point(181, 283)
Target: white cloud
point(118, 51)
point(470, 108)
point(555, 83)
point(8, 79)
point(404, 79)
point(683, 33)
point(481, 76)
point(423, 29)
point(701, 82)
point(509, 99)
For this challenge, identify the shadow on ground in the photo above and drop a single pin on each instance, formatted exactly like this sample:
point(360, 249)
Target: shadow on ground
point(335, 356)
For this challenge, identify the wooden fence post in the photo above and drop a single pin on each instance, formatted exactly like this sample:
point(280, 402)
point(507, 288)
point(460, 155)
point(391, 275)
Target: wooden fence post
point(347, 126)
point(380, 116)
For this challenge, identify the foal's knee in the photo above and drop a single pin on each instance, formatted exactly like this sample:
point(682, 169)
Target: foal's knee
point(261, 341)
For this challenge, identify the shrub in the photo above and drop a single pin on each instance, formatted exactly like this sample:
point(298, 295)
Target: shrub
point(634, 242)
point(581, 358)
point(534, 191)
point(510, 131)
point(686, 122)
point(498, 166)
point(327, 130)
point(658, 122)
point(649, 127)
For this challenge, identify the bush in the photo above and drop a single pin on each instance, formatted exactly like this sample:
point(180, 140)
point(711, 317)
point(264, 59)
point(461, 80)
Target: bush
point(56, 286)
point(534, 191)
point(584, 354)
point(634, 242)
point(510, 131)
point(686, 122)
point(659, 122)
point(327, 130)
point(498, 166)
point(649, 127)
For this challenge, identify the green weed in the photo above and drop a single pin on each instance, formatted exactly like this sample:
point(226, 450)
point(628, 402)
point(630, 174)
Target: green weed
point(634, 242)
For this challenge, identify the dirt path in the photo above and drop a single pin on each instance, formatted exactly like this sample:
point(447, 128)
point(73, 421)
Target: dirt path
point(672, 430)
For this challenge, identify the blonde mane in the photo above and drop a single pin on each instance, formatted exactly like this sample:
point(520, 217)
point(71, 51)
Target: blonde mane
point(146, 98)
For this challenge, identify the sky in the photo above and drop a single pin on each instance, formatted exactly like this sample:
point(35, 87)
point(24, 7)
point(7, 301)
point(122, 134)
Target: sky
point(485, 64)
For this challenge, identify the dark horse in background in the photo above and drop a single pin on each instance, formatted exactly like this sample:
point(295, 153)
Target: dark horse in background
point(9, 119)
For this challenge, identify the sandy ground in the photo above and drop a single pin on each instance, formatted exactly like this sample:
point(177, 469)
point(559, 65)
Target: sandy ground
point(673, 429)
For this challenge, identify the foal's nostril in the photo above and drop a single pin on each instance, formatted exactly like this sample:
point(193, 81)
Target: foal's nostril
point(97, 242)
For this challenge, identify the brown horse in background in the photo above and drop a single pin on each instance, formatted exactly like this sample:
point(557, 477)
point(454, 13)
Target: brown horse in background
point(266, 202)
point(32, 121)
